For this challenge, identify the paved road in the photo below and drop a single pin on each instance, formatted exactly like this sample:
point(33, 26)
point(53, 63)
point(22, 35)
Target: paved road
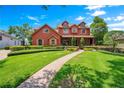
point(3, 54)
point(42, 78)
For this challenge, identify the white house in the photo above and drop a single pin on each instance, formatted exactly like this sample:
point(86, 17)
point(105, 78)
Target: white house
point(8, 40)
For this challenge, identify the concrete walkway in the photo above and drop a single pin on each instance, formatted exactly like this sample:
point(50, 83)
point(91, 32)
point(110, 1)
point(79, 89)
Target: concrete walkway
point(3, 54)
point(42, 78)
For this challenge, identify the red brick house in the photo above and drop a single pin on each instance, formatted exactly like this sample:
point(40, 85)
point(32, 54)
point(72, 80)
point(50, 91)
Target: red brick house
point(62, 35)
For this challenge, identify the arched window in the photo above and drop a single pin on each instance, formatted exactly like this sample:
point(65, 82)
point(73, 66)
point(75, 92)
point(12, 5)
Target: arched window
point(52, 41)
point(40, 42)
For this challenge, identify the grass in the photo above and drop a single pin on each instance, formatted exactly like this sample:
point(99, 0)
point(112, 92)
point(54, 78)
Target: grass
point(95, 69)
point(15, 69)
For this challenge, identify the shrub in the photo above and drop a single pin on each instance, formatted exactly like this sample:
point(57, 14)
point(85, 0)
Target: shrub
point(31, 51)
point(60, 47)
point(78, 76)
point(70, 76)
point(7, 48)
point(89, 49)
point(71, 49)
point(33, 47)
point(16, 48)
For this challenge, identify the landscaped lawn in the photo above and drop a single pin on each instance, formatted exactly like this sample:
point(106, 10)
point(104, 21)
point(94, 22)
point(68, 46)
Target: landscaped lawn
point(91, 69)
point(15, 69)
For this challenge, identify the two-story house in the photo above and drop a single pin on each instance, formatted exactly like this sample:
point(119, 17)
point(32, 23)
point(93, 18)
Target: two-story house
point(62, 35)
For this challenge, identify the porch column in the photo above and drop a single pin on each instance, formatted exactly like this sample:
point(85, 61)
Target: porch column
point(93, 41)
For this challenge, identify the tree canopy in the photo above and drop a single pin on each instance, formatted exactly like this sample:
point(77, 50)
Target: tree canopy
point(21, 32)
point(99, 29)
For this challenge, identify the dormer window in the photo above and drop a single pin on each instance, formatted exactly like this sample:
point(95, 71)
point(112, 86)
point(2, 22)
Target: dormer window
point(74, 30)
point(46, 30)
point(65, 30)
point(83, 30)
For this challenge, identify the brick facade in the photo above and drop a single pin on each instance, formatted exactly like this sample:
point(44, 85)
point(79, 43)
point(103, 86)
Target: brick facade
point(62, 34)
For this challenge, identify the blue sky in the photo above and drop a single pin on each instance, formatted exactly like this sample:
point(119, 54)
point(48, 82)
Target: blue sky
point(36, 16)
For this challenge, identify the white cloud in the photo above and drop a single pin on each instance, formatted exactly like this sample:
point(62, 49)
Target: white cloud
point(33, 18)
point(79, 18)
point(119, 18)
point(36, 23)
point(94, 7)
point(98, 12)
point(117, 28)
point(115, 25)
point(43, 16)
point(108, 19)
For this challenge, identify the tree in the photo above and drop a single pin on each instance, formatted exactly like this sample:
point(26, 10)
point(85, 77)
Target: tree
point(82, 42)
point(73, 41)
point(112, 37)
point(99, 29)
point(21, 32)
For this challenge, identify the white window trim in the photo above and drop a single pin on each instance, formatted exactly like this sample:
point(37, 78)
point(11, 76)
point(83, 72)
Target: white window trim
point(53, 39)
point(45, 29)
point(73, 29)
point(67, 30)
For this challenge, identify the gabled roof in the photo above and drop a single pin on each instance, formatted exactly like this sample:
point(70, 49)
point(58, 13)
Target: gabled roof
point(38, 29)
point(65, 22)
point(82, 23)
point(6, 34)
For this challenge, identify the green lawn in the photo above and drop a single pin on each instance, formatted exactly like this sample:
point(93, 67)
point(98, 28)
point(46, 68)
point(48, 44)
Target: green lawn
point(91, 69)
point(16, 69)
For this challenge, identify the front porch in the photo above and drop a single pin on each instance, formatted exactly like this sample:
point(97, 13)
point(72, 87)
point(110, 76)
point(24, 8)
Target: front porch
point(67, 41)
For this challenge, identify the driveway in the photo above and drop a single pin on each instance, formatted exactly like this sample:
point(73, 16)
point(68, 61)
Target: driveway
point(3, 54)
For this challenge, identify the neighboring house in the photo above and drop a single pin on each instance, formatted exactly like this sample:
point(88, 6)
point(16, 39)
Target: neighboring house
point(8, 40)
point(120, 42)
point(62, 35)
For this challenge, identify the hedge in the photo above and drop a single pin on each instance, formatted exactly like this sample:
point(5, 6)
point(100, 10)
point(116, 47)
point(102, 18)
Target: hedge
point(17, 48)
point(31, 51)
point(107, 48)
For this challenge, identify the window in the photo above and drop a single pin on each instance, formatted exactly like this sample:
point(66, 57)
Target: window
point(53, 41)
point(65, 30)
point(46, 30)
point(15, 42)
point(40, 42)
point(0, 37)
point(74, 29)
point(83, 30)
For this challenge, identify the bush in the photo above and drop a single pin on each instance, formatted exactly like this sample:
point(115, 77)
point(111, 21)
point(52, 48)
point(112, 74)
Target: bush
point(33, 47)
point(7, 48)
point(89, 49)
point(31, 51)
point(70, 76)
point(72, 49)
point(16, 48)
point(78, 76)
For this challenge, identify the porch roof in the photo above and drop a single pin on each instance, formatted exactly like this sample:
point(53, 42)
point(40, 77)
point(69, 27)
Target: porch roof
point(85, 36)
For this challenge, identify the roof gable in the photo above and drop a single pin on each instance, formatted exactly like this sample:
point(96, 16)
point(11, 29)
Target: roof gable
point(44, 27)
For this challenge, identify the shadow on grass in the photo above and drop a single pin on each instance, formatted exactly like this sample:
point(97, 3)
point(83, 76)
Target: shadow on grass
point(77, 76)
point(117, 72)
point(112, 53)
point(2, 62)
